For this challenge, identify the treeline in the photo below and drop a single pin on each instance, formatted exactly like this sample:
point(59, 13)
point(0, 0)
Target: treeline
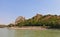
point(50, 21)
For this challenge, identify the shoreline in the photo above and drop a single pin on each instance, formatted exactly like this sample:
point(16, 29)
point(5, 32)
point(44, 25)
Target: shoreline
point(27, 28)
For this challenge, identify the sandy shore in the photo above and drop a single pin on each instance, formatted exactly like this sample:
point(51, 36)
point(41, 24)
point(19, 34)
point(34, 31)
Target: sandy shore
point(29, 28)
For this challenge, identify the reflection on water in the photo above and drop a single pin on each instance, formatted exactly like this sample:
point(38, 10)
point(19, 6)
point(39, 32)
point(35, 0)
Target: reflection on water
point(37, 33)
point(11, 33)
point(27, 33)
point(4, 32)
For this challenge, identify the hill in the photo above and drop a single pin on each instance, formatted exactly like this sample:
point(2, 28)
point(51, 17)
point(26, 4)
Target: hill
point(51, 21)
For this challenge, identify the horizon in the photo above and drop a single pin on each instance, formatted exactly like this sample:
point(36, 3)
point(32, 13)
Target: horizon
point(11, 9)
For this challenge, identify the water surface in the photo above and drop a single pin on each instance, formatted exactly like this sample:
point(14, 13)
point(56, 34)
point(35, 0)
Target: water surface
point(4, 32)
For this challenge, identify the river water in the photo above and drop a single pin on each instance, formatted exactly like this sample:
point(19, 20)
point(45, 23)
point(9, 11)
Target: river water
point(5, 32)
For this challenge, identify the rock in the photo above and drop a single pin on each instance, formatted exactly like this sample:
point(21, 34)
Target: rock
point(20, 19)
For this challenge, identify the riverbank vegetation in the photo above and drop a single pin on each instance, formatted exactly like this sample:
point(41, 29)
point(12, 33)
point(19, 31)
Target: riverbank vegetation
point(48, 21)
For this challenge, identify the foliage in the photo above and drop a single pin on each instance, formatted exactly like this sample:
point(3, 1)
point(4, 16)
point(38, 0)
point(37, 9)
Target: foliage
point(52, 21)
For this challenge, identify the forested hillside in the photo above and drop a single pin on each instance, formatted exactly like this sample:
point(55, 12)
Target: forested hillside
point(52, 21)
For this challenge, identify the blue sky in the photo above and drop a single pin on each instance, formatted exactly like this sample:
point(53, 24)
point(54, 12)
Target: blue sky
point(11, 9)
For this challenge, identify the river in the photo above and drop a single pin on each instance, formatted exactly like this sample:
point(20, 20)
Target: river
point(5, 32)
